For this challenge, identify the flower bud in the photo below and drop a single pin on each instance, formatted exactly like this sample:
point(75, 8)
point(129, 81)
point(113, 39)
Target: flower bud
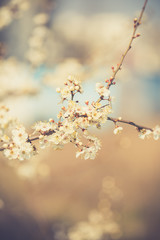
point(135, 20)
point(138, 35)
point(51, 120)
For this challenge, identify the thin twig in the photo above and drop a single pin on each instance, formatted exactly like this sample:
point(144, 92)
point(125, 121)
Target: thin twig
point(139, 127)
point(136, 25)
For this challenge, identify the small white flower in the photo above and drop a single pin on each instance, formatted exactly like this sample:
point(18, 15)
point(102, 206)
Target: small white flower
point(77, 88)
point(144, 133)
point(156, 132)
point(44, 142)
point(55, 138)
point(11, 153)
point(90, 153)
point(25, 151)
point(19, 135)
point(117, 130)
point(65, 93)
point(65, 139)
point(103, 91)
point(67, 127)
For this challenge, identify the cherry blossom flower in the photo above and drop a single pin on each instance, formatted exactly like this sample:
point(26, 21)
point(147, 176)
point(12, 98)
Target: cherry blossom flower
point(19, 135)
point(156, 132)
point(102, 91)
point(117, 130)
point(11, 153)
point(144, 134)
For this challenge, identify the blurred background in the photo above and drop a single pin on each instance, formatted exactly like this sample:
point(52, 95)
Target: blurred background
point(54, 195)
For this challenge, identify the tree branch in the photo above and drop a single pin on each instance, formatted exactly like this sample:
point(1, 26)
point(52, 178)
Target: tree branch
point(139, 127)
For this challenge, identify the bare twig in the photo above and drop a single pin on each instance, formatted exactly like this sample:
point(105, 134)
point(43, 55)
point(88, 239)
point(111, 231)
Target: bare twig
point(137, 22)
point(139, 127)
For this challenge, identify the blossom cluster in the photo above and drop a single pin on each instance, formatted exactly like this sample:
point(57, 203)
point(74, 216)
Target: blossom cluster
point(22, 79)
point(20, 148)
point(14, 137)
point(74, 121)
point(145, 133)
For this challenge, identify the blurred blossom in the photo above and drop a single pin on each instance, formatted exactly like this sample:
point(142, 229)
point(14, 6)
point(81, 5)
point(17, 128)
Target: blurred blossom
point(68, 67)
point(5, 17)
point(16, 79)
point(83, 43)
point(37, 52)
point(33, 170)
point(40, 18)
point(14, 9)
point(59, 232)
point(100, 222)
point(108, 183)
point(96, 227)
point(111, 190)
point(36, 56)
point(26, 170)
point(40, 31)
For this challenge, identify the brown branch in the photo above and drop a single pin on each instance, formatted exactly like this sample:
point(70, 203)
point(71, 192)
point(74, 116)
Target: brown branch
point(139, 127)
point(137, 22)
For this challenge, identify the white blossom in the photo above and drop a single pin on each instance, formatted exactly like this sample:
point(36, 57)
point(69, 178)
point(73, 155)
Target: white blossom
point(19, 135)
point(144, 133)
point(11, 153)
point(102, 91)
point(117, 130)
point(44, 126)
point(25, 151)
point(156, 132)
